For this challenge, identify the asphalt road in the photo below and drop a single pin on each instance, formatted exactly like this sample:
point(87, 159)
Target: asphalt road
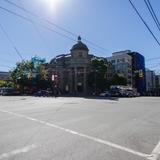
point(79, 128)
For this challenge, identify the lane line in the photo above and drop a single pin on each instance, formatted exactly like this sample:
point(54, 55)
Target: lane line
point(18, 151)
point(155, 153)
point(104, 142)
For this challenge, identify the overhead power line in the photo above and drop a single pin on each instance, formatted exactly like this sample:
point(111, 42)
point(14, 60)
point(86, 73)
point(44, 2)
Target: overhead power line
point(153, 59)
point(44, 26)
point(150, 65)
point(37, 16)
point(133, 6)
point(35, 27)
point(31, 21)
point(11, 42)
point(55, 25)
point(154, 66)
point(152, 13)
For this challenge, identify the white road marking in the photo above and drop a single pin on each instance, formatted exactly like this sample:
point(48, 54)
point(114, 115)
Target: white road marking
point(18, 151)
point(110, 144)
point(155, 153)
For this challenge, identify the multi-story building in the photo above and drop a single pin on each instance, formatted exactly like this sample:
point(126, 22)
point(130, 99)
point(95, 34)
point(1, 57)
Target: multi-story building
point(158, 81)
point(130, 65)
point(122, 63)
point(70, 72)
point(150, 80)
point(138, 70)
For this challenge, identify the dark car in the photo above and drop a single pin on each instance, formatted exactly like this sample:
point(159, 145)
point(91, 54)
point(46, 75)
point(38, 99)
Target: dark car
point(128, 93)
point(43, 93)
point(9, 91)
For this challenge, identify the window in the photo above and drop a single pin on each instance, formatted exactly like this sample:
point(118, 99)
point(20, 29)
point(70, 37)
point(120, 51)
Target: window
point(112, 61)
point(80, 54)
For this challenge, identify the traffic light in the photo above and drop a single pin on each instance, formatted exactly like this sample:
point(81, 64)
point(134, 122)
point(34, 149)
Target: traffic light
point(141, 73)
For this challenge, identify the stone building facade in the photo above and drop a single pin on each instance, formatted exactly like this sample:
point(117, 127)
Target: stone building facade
point(70, 71)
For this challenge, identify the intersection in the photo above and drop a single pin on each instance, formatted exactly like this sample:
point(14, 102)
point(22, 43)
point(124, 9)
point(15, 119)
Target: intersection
point(79, 128)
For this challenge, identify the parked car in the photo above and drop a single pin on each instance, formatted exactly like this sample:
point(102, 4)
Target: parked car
point(115, 93)
point(128, 93)
point(9, 91)
point(1, 91)
point(43, 93)
point(105, 94)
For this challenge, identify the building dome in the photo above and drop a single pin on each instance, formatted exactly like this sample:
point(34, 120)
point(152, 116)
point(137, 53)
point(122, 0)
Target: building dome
point(79, 46)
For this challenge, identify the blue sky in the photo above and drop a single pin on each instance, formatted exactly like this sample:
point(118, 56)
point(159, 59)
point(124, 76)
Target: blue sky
point(112, 24)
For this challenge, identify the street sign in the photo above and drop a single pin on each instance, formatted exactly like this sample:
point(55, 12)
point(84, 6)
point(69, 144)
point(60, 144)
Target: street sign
point(53, 77)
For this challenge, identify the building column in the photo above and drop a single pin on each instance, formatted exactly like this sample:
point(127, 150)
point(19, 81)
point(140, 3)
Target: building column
point(85, 80)
point(70, 81)
point(75, 80)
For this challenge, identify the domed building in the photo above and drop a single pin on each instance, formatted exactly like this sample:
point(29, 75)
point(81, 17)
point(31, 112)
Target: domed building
point(70, 71)
point(79, 46)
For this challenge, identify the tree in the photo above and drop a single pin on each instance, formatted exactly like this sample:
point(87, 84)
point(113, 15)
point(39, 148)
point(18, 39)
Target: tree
point(42, 77)
point(6, 84)
point(27, 74)
point(98, 80)
point(98, 76)
point(2, 83)
point(118, 80)
point(20, 74)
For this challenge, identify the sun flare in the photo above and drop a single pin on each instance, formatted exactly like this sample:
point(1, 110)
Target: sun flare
point(51, 4)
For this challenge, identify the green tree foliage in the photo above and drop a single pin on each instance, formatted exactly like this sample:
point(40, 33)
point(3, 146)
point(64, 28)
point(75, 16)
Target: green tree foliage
point(2, 84)
point(6, 84)
point(26, 74)
point(98, 80)
point(42, 72)
point(42, 78)
point(20, 74)
point(98, 77)
point(118, 80)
